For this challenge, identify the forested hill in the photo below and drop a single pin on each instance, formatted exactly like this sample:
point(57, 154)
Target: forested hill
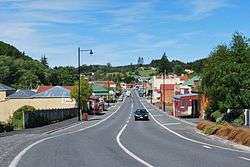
point(22, 72)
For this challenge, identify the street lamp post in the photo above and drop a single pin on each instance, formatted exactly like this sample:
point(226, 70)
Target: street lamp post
point(79, 79)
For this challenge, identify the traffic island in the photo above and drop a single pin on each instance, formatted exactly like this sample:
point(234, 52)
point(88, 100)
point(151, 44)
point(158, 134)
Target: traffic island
point(226, 131)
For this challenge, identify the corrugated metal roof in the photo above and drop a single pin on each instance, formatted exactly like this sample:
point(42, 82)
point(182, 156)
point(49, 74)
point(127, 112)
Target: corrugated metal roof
point(43, 88)
point(56, 91)
point(5, 87)
point(22, 94)
point(190, 82)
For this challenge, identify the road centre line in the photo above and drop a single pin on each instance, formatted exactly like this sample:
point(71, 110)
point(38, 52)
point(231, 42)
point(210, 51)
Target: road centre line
point(16, 160)
point(125, 149)
point(189, 139)
point(208, 147)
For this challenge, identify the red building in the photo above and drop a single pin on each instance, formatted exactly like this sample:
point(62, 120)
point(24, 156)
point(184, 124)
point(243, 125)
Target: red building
point(186, 105)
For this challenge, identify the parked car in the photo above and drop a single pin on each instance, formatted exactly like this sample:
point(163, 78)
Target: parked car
point(141, 114)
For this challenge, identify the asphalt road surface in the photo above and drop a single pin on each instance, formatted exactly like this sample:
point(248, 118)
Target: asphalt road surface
point(119, 141)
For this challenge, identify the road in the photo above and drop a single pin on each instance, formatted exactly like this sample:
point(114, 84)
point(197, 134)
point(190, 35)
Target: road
point(119, 141)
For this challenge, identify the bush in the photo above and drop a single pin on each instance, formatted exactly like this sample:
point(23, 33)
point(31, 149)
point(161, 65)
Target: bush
point(6, 127)
point(215, 115)
point(17, 119)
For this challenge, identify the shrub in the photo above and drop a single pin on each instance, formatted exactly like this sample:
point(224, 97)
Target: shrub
point(215, 115)
point(17, 119)
point(210, 130)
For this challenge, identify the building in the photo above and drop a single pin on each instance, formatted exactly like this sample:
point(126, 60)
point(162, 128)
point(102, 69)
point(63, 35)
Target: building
point(186, 105)
point(5, 91)
point(56, 97)
point(157, 81)
point(99, 91)
point(167, 93)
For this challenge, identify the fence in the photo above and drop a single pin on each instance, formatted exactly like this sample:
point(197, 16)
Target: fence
point(48, 116)
point(247, 117)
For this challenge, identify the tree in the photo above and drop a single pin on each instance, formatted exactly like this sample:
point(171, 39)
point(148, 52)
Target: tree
point(85, 93)
point(44, 61)
point(164, 65)
point(178, 69)
point(225, 78)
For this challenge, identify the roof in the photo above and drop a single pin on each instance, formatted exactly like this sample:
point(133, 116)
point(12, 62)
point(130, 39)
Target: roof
point(55, 91)
point(5, 87)
point(167, 86)
point(99, 89)
point(185, 95)
point(191, 81)
point(22, 94)
point(43, 88)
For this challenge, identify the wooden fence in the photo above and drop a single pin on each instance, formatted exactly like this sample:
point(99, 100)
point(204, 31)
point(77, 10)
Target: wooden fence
point(48, 116)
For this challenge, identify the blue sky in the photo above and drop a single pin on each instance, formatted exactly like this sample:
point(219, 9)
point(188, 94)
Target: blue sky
point(121, 31)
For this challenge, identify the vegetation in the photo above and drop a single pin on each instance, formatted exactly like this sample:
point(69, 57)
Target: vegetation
point(226, 78)
point(17, 118)
point(236, 134)
point(85, 92)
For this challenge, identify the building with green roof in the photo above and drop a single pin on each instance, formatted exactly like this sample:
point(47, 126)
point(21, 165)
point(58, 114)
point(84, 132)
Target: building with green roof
point(99, 90)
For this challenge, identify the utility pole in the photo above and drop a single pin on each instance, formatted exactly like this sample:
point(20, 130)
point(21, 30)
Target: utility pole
point(108, 94)
point(79, 85)
point(164, 104)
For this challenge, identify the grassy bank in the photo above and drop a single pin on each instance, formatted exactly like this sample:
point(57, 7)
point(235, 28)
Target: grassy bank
point(238, 135)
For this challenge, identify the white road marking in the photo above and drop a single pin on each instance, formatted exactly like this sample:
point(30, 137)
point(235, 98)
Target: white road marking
point(16, 160)
point(172, 123)
point(208, 147)
point(158, 115)
point(125, 149)
point(188, 139)
point(248, 159)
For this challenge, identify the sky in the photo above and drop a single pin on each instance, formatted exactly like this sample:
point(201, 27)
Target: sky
point(121, 31)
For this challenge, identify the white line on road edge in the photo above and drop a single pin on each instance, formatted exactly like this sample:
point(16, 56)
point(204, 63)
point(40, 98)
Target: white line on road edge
point(172, 123)
point(191, 140)
point(244, 158)
point(16, 160)
point(125, 149)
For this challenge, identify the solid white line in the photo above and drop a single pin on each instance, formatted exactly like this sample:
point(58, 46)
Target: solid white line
point(208, 147)
point(190, 123)
point(172, 123)
point(126, 150)
point(16, 160)
point(188, 139)
point(244, 158)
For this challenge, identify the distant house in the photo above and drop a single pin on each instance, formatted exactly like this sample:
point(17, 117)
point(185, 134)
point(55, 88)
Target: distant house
point(99, 90)
point(5, 91)
point(186, 105)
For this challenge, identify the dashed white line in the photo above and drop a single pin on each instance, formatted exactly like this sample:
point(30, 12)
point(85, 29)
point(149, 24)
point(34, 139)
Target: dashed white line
point(208, 147)
point(16, 160)
point(125, 149)
point(189, 139)
point(171, 123)
point(247, 159)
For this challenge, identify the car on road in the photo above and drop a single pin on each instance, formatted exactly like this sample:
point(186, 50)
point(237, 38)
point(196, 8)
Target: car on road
point(141, 114)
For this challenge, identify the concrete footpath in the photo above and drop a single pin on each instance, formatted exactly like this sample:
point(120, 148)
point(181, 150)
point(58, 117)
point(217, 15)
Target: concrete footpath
point(12, 143)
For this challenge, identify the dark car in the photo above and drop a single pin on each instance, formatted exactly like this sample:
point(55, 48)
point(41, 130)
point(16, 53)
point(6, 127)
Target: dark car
point(141, 114)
